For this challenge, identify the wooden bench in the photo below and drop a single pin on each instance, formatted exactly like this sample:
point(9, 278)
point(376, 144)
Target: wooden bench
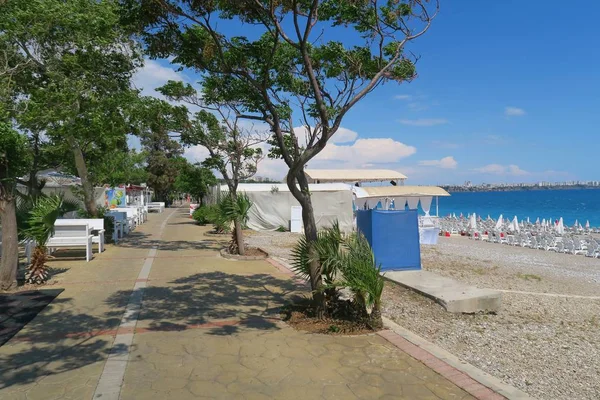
point(95, 225)
point(72, 236)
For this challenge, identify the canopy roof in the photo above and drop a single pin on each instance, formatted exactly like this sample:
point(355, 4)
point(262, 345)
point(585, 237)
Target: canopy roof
point(398, 191)
point(282, 187)
point(353, 175)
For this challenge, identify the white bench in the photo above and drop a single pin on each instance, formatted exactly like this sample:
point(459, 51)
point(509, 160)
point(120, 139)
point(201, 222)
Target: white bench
point(72, 236)
point(121, 224)
point(133, 215)
point(95, 224)
point(156, 206)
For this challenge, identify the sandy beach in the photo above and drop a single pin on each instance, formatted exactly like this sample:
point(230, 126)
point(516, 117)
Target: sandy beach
point(545, 340)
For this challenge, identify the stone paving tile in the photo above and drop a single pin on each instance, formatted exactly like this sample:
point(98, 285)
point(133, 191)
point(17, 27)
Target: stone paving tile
point(41, 362)
point(208, 329)
point(277, 364)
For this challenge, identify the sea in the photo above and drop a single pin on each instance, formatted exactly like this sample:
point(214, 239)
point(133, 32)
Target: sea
point(571, 204)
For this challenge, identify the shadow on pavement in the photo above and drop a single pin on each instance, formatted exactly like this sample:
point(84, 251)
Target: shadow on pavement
point(144, 241)
point(47, 352)
point(250, 301)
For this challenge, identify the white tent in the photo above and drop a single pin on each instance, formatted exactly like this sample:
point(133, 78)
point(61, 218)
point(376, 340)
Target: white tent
point(500, 222)
point(272, 205)
point(370, 196)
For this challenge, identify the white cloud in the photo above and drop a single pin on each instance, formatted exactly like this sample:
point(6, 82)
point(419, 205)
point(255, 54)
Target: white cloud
point(196, 154)
point(418, 106)
point(342, 135)
point(273, 169)
point(424, 121)
point(153, 75)
point(514, 112)
point(446, 163)
point(364, 151)
point(515, 170)
point(403, 97)
point(497, 169)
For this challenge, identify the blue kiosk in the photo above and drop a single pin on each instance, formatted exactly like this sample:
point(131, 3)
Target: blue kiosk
point(388, 217)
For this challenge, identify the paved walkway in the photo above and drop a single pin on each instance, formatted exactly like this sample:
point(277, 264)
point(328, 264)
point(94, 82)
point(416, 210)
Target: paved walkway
point(163, 316)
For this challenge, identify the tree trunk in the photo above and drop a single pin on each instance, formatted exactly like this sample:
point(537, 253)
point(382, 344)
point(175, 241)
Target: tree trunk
point(86, 185)
point(10, 245)
point(237, 223)
point(239, 237)
point(310, 231)
point(375, 320)
point(316, 278)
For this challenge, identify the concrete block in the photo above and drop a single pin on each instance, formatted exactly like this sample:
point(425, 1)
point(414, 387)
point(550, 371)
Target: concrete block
point(454, 296)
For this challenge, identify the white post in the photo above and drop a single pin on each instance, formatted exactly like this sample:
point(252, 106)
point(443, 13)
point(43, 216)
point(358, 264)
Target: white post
point(437, 206)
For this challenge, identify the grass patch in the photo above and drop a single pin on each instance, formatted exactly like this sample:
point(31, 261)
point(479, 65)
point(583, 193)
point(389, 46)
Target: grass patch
point(529, 277)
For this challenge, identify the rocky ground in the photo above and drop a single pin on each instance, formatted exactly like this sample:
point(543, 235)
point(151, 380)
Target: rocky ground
point(546, 339)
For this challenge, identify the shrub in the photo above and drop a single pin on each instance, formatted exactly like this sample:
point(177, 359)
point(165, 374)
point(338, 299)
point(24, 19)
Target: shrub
point(204, 215)
point(362, 275)
point(345, 263)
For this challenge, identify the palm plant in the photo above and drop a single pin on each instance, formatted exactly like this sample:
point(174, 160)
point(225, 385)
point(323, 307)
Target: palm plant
point(40, 227)
point(327, 250)
point(234, 210)
point(362, 275)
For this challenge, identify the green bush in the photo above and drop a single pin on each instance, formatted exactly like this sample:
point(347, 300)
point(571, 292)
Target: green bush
point(345, 262)
point(204, 215)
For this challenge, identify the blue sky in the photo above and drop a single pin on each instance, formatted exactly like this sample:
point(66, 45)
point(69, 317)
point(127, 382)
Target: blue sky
point(507, 92)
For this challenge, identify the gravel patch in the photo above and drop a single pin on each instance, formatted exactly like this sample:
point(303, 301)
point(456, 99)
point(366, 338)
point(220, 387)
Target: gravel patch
point(547, 346)
point(278, 244)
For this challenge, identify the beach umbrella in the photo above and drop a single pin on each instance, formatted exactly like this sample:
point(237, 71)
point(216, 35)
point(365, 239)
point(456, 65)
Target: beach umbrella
point(499, 222)
point(576, 225)
point(537, 221)
point(560, 227)
point(514, 225)
point(489, 218)
point(587, 224)
point(528, 220)
point(473, 222)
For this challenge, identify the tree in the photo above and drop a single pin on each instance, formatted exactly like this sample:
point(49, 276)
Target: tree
point(40, 227)
point(75, 83)
point(158, 120)
point(14, 162)
point(119, 167)
point(232, 148)
point(291, 69)
point(195, 180)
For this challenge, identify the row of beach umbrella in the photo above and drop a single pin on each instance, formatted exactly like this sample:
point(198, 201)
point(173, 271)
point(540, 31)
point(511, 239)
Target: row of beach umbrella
point(515, 226)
